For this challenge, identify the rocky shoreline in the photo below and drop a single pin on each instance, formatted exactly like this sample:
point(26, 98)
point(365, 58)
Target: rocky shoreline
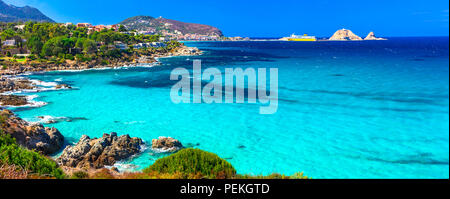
point(88, 155)
point(97, 153)
point(18, 68)
point(33, 136)
point(9, 84)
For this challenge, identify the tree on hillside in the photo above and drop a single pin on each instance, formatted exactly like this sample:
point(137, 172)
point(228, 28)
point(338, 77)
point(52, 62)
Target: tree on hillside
point(53, 47)
point(7, 34)
point(35, 44)
point(122, 28)
point(89, 46)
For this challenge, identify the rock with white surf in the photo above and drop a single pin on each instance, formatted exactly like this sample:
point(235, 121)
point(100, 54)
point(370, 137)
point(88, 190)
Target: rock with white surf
point(166, 145)
point(99, 152)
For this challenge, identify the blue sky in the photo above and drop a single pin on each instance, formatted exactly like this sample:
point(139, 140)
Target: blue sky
point(266, 18)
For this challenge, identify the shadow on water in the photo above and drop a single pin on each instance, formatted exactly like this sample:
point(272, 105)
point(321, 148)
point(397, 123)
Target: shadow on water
point(416, 98)
point(421, 158)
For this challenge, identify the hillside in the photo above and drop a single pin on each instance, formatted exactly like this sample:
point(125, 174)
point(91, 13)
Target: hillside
point(10, 13)
point(159, 25)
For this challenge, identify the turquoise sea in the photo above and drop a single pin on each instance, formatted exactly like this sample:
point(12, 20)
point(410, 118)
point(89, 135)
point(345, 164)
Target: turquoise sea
point(372, 109)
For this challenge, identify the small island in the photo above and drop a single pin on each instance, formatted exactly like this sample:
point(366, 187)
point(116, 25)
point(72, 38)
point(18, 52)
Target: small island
point(348, 35)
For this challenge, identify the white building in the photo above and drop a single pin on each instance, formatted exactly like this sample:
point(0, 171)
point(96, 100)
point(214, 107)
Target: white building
point(9, 43)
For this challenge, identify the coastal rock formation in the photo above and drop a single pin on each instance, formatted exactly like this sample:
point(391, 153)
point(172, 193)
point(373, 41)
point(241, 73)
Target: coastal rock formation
point(63, 86)
point(97, 153)
point(31, 136)
point(371, 36)
point(13, 84)
point(13, 100)
point(187, 51)
point(345, 35)
point(166, 144)
point(180, 51)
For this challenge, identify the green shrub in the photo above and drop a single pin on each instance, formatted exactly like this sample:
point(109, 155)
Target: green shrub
point(194, 162)
point(80, 58)
point(31, 57)
point(69, 57)
point(80, 175)
point(13, 154)
point(104, 62)
point(61, 55)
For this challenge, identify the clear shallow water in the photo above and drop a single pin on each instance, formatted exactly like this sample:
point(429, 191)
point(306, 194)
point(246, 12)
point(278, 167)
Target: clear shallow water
point(346, 109)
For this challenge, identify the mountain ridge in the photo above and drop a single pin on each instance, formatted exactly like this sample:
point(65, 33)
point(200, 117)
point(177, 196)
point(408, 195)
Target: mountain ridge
point(11, 13)
point(158, 25)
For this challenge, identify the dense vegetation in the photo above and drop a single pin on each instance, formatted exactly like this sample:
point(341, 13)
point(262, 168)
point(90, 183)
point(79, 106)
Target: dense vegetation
point(185, 164)
point(56, 43)
point(33, 162)
point(194, 162)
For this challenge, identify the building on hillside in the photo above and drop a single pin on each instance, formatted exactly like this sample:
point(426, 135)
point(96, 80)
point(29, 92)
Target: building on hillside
point(84, 25)
point(149, 45)
point(20, 27)
point(9, 43)
point(99, 28)
point(130, 33)
point(148, 32)
point(158, 44)
point(120, 45)
point(112, 27)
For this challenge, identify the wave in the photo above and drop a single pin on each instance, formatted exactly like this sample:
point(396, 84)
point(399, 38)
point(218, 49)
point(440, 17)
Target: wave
point(48, 119)
point(42, 83)
point(135, 122)
point(124, 167)
point(36, 90)
point(109, 68)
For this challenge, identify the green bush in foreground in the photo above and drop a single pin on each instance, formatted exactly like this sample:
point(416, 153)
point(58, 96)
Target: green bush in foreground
point(194, 163)
point(35, 163)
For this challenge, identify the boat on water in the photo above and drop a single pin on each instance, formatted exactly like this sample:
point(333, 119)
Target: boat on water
point(304, 37)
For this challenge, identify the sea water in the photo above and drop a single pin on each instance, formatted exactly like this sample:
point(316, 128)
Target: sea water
point(371, 109)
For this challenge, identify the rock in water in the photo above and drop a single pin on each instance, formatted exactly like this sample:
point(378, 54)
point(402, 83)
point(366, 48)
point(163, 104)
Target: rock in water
point(166, 144)
point(63, 86)
point(371, 36)
point(97, 153)
point(13, 100)
point(345, 35)
point(10, 84)
point(32, 136)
